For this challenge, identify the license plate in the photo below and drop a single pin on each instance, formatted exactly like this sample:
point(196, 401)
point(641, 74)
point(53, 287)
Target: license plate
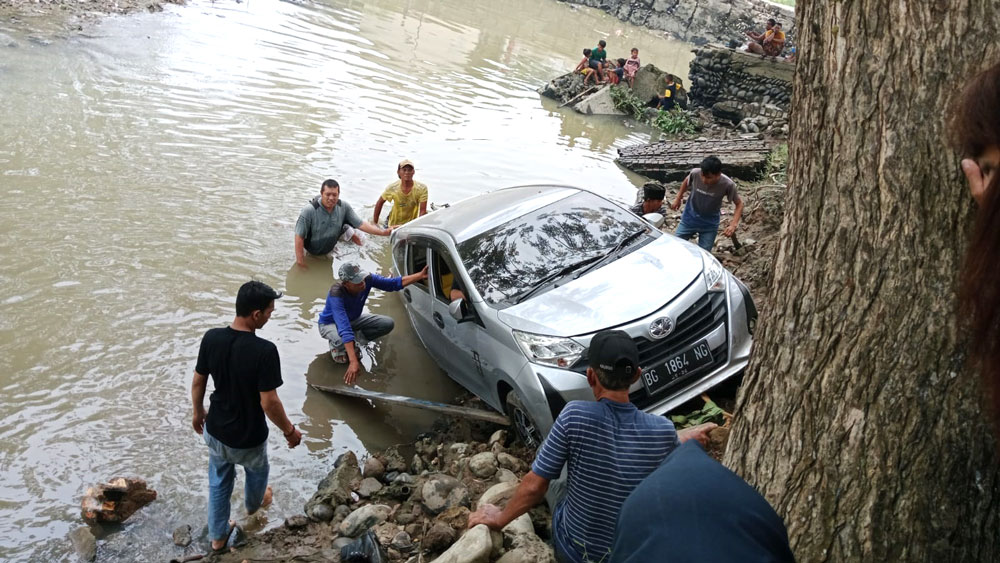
point(677, 366)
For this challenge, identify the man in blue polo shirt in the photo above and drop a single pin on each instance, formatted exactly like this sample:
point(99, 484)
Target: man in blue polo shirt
point(608, 446)
point(342, 321)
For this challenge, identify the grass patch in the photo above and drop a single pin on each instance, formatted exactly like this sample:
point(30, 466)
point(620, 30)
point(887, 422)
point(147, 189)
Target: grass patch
point(673, 122)
point(626, 102)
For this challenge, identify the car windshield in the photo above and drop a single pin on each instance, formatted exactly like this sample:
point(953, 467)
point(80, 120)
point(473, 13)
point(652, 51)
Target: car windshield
point(513, 258)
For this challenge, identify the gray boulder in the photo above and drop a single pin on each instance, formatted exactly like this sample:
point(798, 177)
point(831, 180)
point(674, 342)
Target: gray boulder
point(483, 465)
point(369, 486)
point(373, 468)
point(440, 492)
point(364, 518)
point(336, 487)
point(473, 547)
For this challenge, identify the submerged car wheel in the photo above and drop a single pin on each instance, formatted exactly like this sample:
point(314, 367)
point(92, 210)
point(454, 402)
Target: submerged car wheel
point(525, 426)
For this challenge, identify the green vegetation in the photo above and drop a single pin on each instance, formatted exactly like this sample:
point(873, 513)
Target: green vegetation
point(777, 162)
point(625, 101)
point(785, 2)
point(673, 122)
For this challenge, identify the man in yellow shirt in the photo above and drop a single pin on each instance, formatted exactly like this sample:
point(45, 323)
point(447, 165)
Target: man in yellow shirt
point(409, 198)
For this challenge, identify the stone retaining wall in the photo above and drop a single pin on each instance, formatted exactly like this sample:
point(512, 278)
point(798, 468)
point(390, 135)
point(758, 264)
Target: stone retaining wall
point(739, 87)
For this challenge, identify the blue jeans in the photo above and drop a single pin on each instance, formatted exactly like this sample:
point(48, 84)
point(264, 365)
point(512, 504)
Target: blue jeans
point(706, 237)
point(222, 462)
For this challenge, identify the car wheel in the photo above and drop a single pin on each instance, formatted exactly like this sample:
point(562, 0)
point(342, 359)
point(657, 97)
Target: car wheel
point(524, 425)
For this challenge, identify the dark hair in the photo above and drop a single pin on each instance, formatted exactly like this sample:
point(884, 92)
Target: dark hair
point(634, 49)
point(586, 52)
point(330, 183)
point(975, 128)
point(772, 21)
point(612, 381)
point(777, 24)
point(711, 165)
point(602, 43)
point(669, 77)
point(254, 296)
point(621, 62)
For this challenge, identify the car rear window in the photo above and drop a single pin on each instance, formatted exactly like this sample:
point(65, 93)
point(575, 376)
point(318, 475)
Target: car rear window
point(510, 259)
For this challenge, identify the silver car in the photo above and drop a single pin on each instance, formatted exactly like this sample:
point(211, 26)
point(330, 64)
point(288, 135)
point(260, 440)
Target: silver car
point(522, 278)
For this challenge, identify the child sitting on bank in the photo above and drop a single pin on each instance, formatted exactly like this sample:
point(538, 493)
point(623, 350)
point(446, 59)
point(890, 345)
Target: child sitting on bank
point(632, 66)
point(584, 65)
point(616, 74)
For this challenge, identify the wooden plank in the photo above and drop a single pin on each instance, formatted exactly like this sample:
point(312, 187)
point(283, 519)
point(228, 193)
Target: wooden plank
point(453, 410)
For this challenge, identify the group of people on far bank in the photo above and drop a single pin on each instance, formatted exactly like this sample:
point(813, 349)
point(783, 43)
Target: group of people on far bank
point(597, 69)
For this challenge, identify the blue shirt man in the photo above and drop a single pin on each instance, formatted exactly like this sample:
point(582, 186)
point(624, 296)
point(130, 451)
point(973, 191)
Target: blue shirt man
point(607, 447)
point(701, 215)
point(343, 322)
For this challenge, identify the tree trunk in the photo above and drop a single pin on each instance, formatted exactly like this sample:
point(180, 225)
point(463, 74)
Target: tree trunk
point(858, 419)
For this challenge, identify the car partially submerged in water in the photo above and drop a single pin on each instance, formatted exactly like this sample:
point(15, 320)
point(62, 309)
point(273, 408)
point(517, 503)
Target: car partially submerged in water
point(522, 278)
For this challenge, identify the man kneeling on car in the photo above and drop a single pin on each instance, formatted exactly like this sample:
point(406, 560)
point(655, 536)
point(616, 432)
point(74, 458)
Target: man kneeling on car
point(342, 321)
point(609, 446)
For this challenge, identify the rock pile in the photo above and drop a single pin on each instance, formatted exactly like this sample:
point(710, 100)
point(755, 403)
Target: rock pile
point(417, 509)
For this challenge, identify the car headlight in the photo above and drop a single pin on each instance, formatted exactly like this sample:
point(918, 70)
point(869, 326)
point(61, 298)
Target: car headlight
point(715, 274)
point(548, 350)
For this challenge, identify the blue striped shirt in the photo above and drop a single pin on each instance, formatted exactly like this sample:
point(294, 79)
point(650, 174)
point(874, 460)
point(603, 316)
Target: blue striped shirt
point(610, 448)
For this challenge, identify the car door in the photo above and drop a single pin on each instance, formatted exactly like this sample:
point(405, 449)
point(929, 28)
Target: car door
point(411, 259)
point(460, 338)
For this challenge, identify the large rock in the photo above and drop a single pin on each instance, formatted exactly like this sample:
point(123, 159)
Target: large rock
point(520, 525)
point(438, 538)
point(528, 549)
point(598, 103)
point(335, 488)
point(498, 494)
point(115, 500)
point(483, 465)
point(649, 83)
point(508, 461)
point(473, 547)
point(440, 492)
point(373, 468)
point(728, 112)
point(369, 486)
point(364, 518)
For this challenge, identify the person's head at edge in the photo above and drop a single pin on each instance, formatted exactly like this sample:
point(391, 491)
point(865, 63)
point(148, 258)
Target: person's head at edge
point(329, 193)
point(976, 133)
point(255, 303)
point(653, 195)
point(711, 170)
point(613, 360)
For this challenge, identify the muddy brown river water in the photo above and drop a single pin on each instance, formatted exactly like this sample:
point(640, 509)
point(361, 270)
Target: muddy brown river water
point(153, 163)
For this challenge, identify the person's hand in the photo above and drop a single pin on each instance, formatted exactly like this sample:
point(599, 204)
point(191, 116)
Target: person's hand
point(351, 375)
point(301, 262)
point(423, 273)
point(198, 420)
point(977, 183)
point(294, 437)
point(488, 514)
point(730, 230)
point(676, 204)
point(699, 433)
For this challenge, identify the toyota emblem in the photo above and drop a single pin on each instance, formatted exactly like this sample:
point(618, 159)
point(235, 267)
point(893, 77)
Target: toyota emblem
point(661, 327)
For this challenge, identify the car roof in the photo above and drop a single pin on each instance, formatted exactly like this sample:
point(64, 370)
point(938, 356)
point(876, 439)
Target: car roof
point(480, 213)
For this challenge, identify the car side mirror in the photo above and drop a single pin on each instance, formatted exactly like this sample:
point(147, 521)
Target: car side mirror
point(455, 310)
point(655, 219)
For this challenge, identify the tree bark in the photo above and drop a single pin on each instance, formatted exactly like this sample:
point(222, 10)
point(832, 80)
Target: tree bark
point(858, 420)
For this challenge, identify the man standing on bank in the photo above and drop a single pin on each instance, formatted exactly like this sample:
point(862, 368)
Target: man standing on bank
point(325, 220)
point(408, 198)
point(246, 372)
point(342, 322)
point(608, 447)
point(702, 213)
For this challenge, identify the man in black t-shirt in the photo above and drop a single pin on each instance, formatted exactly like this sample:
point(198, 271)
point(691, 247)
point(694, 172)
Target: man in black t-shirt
point(246, 374)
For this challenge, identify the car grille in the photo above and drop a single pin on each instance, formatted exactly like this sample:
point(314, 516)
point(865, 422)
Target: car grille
point(691, 326)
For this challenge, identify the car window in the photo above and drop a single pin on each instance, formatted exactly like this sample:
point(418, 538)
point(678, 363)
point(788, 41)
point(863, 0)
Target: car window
point(513, 258)
point(416, 259)
point(446, 283)
point(399, 257)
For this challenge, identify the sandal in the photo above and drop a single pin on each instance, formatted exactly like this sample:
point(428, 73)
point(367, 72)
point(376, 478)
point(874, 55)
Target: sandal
point(339, 358)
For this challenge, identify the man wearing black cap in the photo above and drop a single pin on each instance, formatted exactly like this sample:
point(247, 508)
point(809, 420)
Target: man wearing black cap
point(653, 194)
point(608, 446)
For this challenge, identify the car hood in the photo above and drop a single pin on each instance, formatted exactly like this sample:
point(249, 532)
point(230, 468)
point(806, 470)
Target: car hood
point(629, 288)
